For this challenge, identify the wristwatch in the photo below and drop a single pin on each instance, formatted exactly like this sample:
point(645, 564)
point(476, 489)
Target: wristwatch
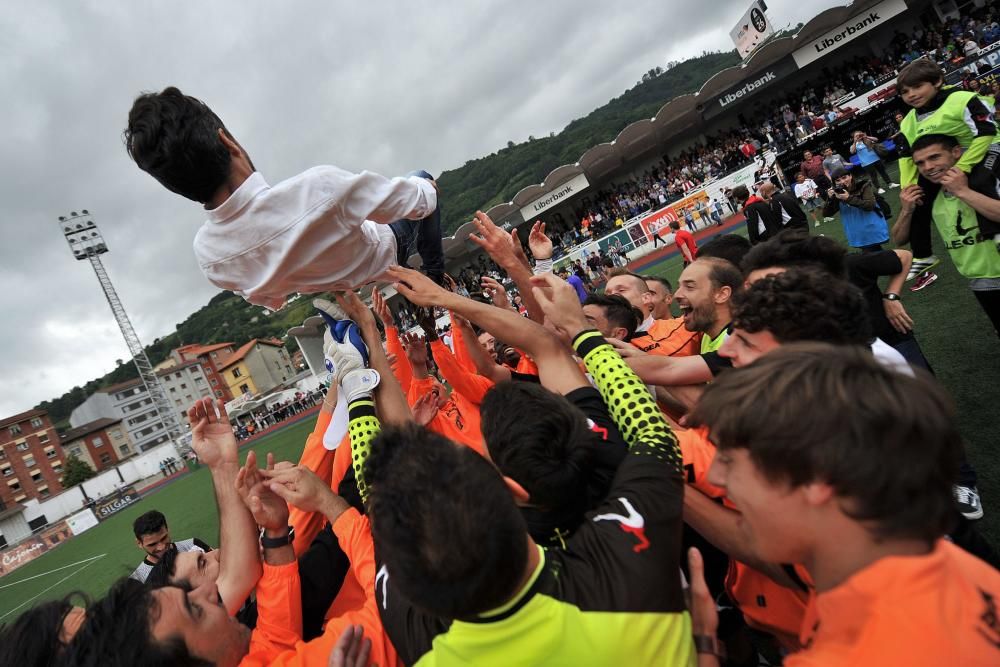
point(277, 542)
point(890, 296)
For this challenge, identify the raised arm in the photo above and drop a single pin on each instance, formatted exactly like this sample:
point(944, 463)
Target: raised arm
point(465, 339)
point(392, 343)
point(556, 368)
point(909, 198)
point(215, 444)
point(501, 247)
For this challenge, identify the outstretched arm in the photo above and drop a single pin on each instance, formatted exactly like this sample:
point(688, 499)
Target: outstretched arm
point(465, 337)
point(501, 247)
point(215, 444)
point(670, 371)
point(556, 368)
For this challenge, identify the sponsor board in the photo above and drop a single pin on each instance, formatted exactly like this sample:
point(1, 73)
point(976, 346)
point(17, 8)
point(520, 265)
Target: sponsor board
point(987, 60)
point(851, 29)
point(747, 88)
point(874, 96)
point(81, 521)
point(571, 187)
point(33, 547)
point(115, 503)
point(752, 30)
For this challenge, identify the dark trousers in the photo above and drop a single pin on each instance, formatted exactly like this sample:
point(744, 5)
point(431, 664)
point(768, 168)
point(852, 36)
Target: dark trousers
point(322, 569)
point(876, 169)
point(989, 301)
point(425, 235)
point(920, 225)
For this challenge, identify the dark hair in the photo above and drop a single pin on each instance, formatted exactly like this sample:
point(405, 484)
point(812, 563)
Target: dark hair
point(803, 304)
point(946, 141)
point(674, 225)
point(885, 441)
point(117, 632)
point(918, 72)
point(545, 449)
point(795, 247)
point(34, 639)
point(741, 193)
point(163, 571)
point(731, 247)
point(151, 522)
point(660, 279)
point(174, 137)
point(618, 311)
point(722, 273)
point(443, 519)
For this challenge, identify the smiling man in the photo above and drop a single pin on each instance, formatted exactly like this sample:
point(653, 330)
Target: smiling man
point(861, 498)
point(153, 536)
point(703, 293)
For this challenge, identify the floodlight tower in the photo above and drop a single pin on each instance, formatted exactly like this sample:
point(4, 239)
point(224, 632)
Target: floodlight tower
point(86, 242)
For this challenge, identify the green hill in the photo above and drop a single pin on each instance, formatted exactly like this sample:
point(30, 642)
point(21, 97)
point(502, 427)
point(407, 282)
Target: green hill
point(478, 184)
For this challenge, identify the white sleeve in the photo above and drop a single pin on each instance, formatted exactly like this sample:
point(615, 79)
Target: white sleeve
point(369, 196)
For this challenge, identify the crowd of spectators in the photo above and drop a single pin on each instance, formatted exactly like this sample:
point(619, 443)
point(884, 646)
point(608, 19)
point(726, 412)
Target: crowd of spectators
point(264, 418)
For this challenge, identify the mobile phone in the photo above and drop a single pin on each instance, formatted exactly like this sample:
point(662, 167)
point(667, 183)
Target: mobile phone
point(840, 190)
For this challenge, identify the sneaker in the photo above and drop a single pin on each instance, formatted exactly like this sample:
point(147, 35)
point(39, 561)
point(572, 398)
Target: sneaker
point(967, 501)
point(921, 265)
point(817, 224)
point(827, 219)
point(893, 185)
point(923, 281)
point(881, 191)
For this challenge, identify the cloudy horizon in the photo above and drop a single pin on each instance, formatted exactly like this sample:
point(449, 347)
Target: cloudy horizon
point(388, 87)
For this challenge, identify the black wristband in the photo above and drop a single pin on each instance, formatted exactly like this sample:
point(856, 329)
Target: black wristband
point(277, 542)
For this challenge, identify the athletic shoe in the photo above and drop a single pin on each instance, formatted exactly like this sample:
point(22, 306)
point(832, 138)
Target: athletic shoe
point(921, 265)
point(817, 224)
point(828, 219)
point(923, 281)
point(893, 185)
point(881, 191)
point(967, 501)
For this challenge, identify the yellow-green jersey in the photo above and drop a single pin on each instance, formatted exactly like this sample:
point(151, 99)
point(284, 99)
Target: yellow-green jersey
point(613, 595)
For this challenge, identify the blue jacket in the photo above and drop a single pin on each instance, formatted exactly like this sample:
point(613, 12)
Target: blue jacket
point(860, 215)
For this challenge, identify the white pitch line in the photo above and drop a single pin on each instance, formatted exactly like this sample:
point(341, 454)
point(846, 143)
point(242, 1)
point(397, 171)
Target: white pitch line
point(71, 574)
point(45, 574)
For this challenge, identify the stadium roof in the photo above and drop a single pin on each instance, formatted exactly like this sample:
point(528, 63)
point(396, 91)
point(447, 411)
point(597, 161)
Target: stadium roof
point(673, 118)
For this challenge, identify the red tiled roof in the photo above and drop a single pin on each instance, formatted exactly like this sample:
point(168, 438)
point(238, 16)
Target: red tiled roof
point(118, 387)
point(87, 429)
point(196, 349)
point(23, 416)
point(245, 349)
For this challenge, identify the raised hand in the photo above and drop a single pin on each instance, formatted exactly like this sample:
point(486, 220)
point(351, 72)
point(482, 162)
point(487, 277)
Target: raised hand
point(495, 241)
point(382, 309)
point(496, 291)
point(911, 196)
point(351, 649)
point(539, 242)
point(425, 409)
point(418, 288)
point(268, 509)
point(211, 434)
point(415, 348)
point(299, 486)
point(355, 309)
point(559, 302)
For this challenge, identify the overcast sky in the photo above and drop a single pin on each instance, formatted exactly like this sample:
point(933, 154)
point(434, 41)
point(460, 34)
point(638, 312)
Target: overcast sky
point(385, 86)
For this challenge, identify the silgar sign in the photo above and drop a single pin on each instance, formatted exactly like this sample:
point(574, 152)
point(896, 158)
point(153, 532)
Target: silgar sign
point(114, 503)
point(760, 80)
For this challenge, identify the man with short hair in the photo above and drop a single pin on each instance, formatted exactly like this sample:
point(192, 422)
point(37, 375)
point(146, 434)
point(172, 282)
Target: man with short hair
point(663, 296)
point(152, 535)
point(324, 229)
point(861, 498)
point(666, 337)
point(612, 315)
point(761, 220)
point(684, 240)
point(807, 192)
point(703, 293)
point(785, 206)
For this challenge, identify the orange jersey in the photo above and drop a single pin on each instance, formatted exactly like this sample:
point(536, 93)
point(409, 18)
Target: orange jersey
point(320, 460)
point(458, 420)
point(937, 609)
point(698, 453)
point(668, 338)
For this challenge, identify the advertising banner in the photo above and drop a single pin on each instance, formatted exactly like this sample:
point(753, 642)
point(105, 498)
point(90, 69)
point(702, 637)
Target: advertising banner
point(751, 30)
point(115, 503)
point(754, 84)
point(851, 29)
point(81, 521)
point(33, 547)
point(571, 187)
point(874, 96)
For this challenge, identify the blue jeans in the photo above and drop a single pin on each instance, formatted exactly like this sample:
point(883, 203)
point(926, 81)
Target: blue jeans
point(425, 235)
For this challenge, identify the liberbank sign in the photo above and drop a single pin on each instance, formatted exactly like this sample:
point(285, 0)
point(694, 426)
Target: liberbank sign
point(757, 82)
point(856, 26)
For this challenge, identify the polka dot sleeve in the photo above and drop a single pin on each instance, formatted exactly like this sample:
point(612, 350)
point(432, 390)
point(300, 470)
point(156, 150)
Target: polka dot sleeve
point(631, 406)
point(362, 426)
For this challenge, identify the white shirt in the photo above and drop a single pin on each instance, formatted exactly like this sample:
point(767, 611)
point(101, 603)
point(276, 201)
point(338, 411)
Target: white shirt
point(890, 357)
point(311, 233)
point(806, 189)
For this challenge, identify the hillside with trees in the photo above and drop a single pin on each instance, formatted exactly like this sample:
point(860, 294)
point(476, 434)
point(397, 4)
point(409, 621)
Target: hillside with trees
point(478, 184)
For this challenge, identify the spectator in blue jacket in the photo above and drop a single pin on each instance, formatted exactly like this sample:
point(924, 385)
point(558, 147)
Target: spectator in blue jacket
point(860, 214)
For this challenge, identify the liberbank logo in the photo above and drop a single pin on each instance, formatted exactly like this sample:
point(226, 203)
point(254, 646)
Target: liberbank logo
point(848, 32)
point(854, 27)
point(750, 87)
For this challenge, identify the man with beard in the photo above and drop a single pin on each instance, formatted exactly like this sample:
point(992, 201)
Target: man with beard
point(665, 337)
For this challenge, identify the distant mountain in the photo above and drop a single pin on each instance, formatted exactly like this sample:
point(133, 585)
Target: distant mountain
point(478, 184)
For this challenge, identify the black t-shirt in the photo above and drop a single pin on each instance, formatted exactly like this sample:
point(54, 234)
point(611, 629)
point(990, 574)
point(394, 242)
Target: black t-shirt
point(864, 270)
point(716, 362)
